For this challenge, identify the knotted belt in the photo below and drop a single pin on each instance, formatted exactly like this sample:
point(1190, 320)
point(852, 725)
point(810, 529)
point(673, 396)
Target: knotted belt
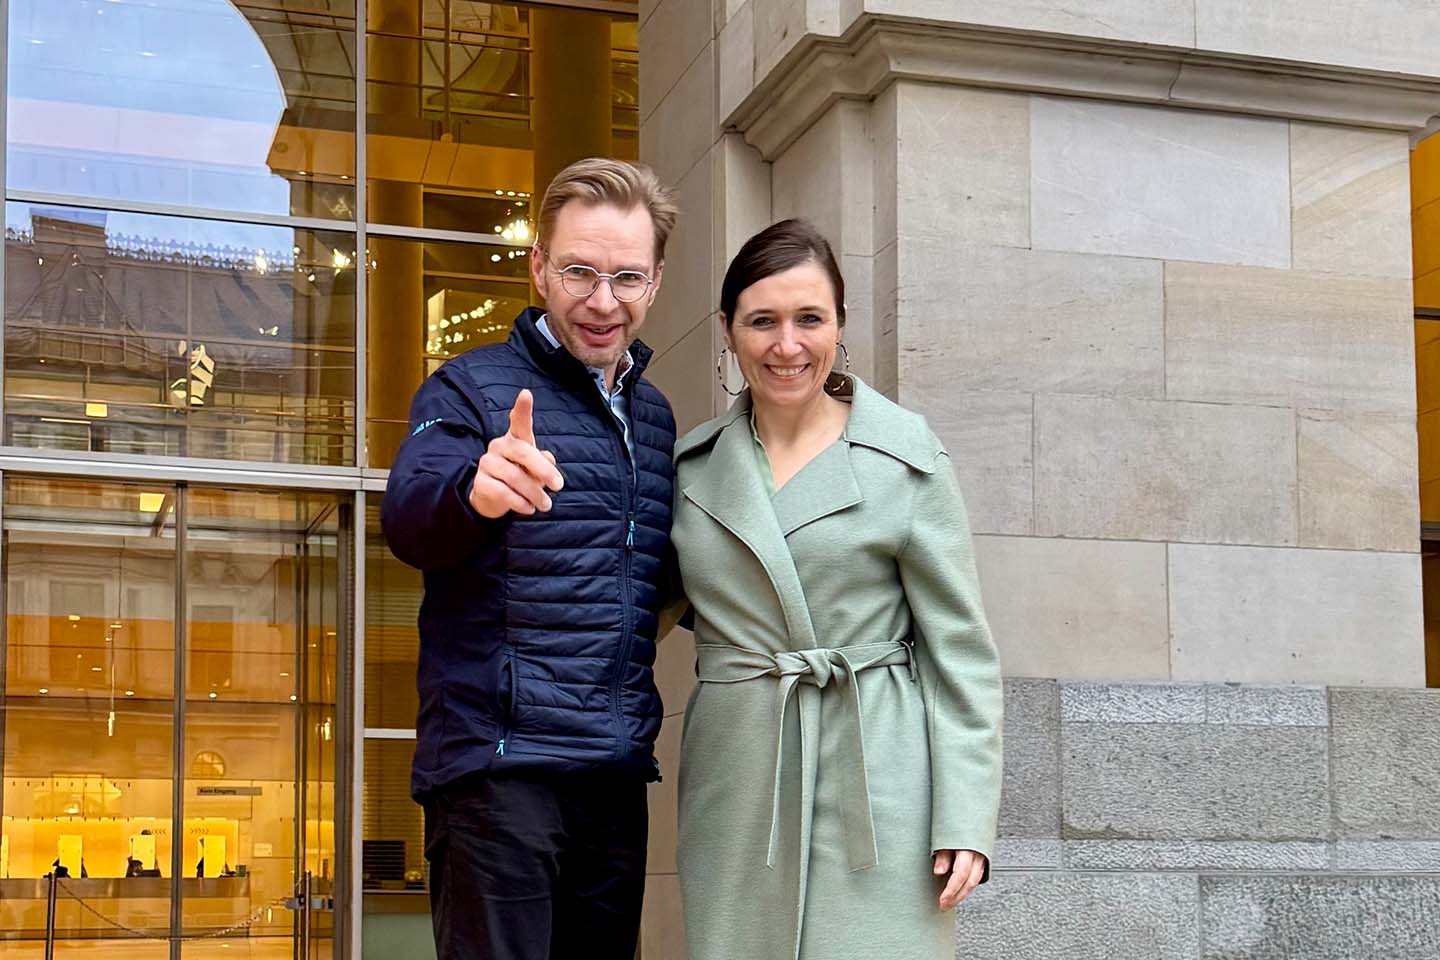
point(834, 667)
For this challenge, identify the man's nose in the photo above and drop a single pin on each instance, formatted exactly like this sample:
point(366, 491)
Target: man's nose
point(602, 298)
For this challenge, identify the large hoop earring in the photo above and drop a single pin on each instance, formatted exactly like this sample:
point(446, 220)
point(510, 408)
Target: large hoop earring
point(720, 373)
point(844, 353)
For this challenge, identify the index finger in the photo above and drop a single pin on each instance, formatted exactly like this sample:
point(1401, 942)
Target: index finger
point(522, 418)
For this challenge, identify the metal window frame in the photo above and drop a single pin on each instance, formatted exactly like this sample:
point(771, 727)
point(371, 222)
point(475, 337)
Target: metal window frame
point(178, 698)
point(284, 221)
point(353, 905)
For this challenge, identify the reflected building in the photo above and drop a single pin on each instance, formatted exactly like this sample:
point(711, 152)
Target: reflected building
point(238, 235)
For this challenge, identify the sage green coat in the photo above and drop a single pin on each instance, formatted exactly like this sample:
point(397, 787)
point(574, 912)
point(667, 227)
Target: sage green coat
point(808, 603)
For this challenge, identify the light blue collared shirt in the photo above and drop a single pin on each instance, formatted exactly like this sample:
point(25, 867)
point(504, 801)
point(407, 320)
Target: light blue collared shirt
point(615, 398)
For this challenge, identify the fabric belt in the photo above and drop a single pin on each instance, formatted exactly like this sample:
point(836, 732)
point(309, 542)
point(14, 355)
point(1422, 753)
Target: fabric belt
point(831, 669)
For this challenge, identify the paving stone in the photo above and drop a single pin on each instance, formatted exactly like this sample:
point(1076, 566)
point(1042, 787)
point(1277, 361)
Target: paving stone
point(1016, 853)
point(1132, 703)
point(1388, 856)
point(1030, 798)
point(1066, 916)
point(1196, 855)
point(1320, 918)
point(1155, 781)
point(1385, 748)
point(1254, 704)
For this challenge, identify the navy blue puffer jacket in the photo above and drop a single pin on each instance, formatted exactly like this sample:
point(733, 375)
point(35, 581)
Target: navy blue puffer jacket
point(537, 634)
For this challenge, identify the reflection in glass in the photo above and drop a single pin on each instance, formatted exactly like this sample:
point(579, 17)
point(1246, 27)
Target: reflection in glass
point(468, 101)
point(89, 571)
point(428, 302)
point(244, 106)
point(392, 637)
point(90, 574)
point(260, 724)
point(394, 832)
point(151, 335)
point(393, 851)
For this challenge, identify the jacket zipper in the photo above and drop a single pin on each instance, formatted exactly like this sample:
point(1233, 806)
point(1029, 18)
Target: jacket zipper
point(626, 631)
point(507, 705)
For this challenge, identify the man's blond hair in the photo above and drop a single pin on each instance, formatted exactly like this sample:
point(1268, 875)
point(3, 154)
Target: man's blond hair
point(597, 181)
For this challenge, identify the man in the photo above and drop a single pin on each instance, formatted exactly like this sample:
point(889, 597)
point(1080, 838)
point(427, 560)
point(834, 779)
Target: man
point(534, 492)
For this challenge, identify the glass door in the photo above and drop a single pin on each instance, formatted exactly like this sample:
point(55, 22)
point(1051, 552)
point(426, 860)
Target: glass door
point(171, 687)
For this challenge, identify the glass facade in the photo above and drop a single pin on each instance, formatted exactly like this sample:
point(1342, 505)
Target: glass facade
point(238, 234)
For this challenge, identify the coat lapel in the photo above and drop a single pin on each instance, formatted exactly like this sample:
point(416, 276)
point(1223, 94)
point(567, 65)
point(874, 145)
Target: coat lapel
point(823, 486)
point(731, 491)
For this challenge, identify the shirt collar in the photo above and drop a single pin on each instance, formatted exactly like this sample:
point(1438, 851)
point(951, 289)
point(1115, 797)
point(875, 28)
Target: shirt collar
point(626, 361)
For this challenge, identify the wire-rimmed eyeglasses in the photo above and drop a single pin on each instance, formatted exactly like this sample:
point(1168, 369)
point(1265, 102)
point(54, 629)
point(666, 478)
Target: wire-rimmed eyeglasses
point(581, 281)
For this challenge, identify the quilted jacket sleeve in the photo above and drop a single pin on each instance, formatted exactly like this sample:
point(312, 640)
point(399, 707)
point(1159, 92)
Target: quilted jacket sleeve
point(426, 513)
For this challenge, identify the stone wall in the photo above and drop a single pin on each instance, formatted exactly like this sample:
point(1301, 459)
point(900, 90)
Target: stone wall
point(1380, 35)
point(1146, 268)
point(1214, 821)
point(1171, 352)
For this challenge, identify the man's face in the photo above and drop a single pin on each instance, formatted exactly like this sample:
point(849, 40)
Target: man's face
point(597, 329)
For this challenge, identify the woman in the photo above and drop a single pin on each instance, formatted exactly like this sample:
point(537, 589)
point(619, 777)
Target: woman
point(840, 768)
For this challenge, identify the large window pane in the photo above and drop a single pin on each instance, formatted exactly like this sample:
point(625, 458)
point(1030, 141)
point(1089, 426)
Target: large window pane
point(392, 637)
point(396, 908)
point(428, 302)
point(89, 572)
point(471, 102)
point(239, 106)
point(154, 335)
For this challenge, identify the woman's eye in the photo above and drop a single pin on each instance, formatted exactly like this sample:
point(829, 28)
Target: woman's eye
point(811, 319)
point(761, 323)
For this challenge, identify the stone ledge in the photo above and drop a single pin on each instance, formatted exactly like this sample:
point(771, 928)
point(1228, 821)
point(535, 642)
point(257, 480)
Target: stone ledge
point(1396, 856)
point(876, 51)
point(1201, 855)
point(1217, 703)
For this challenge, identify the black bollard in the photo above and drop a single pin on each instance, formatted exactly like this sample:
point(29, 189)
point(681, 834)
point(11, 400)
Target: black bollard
point(50, 915)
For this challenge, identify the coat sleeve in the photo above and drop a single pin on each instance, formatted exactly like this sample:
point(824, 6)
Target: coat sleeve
point(959, 667)
point(426, 513)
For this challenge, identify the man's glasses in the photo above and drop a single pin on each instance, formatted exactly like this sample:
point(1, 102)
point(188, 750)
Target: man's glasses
point(581, 281)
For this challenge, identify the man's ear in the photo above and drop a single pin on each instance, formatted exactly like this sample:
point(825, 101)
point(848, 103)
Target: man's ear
point(655, 287)
point(537, 272)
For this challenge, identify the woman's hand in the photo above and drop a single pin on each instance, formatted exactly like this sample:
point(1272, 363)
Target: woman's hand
point(965, 868)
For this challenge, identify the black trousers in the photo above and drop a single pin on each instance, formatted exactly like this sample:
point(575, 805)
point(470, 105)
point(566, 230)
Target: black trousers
point(535, 867)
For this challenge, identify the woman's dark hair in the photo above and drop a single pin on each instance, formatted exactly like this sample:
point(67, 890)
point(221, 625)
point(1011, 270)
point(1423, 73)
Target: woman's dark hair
point(776, 249)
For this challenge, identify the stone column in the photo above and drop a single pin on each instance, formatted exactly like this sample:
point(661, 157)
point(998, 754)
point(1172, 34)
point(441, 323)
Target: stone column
point(723, 189)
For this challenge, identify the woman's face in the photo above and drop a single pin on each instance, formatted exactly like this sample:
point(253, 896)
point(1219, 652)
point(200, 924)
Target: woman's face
point(784, 335)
